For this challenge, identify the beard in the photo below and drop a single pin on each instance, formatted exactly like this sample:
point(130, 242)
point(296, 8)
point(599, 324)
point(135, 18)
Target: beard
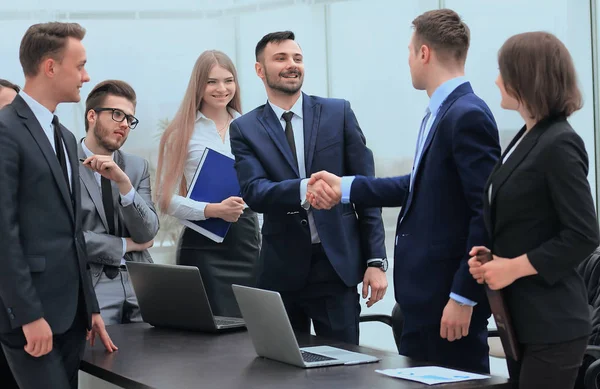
point(102, 133)
point(281, 86)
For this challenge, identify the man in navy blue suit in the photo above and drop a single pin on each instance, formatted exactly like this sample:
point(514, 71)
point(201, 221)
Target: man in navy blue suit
point(441, 218)
point(315, 259)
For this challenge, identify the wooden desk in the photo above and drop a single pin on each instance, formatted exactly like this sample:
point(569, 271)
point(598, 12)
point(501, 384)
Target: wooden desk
point(166, 359)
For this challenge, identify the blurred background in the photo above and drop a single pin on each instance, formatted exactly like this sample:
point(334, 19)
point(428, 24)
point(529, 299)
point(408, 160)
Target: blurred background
point(353, 49)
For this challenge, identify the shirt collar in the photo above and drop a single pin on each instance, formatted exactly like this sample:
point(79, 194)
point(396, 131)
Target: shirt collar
point(296, 108)
point(443, 91)
point(88, 153)
point(234, 114)
point(42, 114)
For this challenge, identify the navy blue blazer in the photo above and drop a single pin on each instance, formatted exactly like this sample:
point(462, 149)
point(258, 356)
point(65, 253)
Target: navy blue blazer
point(441, 218)
point(270, 184)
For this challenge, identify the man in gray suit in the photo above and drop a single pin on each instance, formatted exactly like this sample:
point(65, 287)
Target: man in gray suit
point(119, 219)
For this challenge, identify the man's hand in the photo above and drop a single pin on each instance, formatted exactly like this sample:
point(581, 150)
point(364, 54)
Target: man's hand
point(229, 209)
point(39, 338)
point(376, 279)
point(324, 190)
point(132, 246)
point(99, 329)
point(455, 321)
point(106, 167)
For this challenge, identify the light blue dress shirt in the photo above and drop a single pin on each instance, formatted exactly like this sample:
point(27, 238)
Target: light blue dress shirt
point(435, 102)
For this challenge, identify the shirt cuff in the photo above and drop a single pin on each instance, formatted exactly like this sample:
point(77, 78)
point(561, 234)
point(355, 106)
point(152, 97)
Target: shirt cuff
point(128, 198)
point(124, 247)
point(462, 300)
point(346, 185)
point(374, 260)
point(303, 190)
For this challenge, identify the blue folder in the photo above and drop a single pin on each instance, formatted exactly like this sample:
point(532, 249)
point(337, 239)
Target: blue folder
point(214, 181)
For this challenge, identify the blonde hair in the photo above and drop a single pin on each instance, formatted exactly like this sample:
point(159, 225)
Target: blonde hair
point(172, 152)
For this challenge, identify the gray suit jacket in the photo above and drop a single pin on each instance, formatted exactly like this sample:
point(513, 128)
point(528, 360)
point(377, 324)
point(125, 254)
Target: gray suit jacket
point(137, 221)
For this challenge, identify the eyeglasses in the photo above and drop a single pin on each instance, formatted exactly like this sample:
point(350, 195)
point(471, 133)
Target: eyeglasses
point(118, 116)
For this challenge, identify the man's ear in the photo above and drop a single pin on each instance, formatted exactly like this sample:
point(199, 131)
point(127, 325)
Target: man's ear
point(91, 117)
point(260, 70)
point(48, 67)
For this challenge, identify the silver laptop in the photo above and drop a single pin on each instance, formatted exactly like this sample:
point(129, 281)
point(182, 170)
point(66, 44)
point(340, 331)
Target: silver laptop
point(173, 296)
point(273, 337)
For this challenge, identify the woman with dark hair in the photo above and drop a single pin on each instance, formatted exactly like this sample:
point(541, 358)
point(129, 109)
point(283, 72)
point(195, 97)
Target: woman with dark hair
point(210, 104)
point(540, 214)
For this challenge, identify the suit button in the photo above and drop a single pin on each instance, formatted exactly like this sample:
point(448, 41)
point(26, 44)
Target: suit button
point(303, 222)
point(12, 316)
point(9, 310)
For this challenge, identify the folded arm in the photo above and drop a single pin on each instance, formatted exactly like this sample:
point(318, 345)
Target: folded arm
point(140, 216)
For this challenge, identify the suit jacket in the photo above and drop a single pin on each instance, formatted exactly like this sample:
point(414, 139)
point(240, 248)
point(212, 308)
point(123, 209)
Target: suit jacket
point(542, 206)
point(137, 221)
point(42, 250)
point(270, 184)
point(441, 218)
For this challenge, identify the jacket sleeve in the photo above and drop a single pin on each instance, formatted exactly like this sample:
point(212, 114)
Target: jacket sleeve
point(566, 165)
point(258, 191)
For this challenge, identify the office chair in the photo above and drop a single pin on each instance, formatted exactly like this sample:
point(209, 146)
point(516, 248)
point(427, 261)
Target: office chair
point(589, 373)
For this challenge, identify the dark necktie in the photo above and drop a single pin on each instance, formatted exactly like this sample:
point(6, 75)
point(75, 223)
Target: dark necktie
point(109, 210)
point(60, 152)
point(289, 134)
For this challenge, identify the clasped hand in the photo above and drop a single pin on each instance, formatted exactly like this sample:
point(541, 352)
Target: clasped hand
point(324, 190)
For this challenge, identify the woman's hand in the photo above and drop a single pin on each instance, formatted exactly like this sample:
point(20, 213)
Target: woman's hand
point(229, 209)
point(497, 273)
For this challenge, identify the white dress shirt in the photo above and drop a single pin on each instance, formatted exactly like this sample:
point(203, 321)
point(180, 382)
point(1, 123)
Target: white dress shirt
point(126, 200)
point(298, 127)
point(205, 135)
point(44, 117)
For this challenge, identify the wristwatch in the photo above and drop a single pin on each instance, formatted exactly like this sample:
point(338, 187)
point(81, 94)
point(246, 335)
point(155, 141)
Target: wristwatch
point(380, 263)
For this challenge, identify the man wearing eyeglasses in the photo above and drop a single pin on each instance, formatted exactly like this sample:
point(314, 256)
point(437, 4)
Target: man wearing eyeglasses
point(119, 219)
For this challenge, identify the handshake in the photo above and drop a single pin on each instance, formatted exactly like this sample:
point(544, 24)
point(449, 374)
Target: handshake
point(324, 190)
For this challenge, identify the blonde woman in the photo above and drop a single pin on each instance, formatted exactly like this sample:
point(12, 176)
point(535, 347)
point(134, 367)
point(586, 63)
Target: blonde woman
point(210, 104)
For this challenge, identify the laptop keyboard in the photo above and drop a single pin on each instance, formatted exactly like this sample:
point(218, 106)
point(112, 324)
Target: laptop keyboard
point(223, 321)
point(311, 357)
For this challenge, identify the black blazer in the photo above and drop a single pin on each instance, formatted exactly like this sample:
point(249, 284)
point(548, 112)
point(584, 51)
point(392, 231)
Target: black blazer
point(43, 264)
point(541, 205)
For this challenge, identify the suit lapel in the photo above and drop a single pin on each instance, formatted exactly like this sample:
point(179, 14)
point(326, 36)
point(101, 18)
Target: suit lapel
point(43, 143)
point(273, 127)
point(501, 174)
point(91, 185)
point(312, 115)
point(458, 92)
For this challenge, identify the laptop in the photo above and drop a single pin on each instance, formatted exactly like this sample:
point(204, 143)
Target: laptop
point(173, 296)
point(273, 337)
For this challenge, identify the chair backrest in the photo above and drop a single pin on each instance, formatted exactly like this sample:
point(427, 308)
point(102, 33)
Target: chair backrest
point(397, 324)
point(589, 269)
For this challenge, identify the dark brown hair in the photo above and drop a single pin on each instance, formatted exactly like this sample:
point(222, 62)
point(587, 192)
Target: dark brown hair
point(46, 40)
point(445, 32)
point(106, 88)
point(273, 37)
point(7, 84)
point(538, 71)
